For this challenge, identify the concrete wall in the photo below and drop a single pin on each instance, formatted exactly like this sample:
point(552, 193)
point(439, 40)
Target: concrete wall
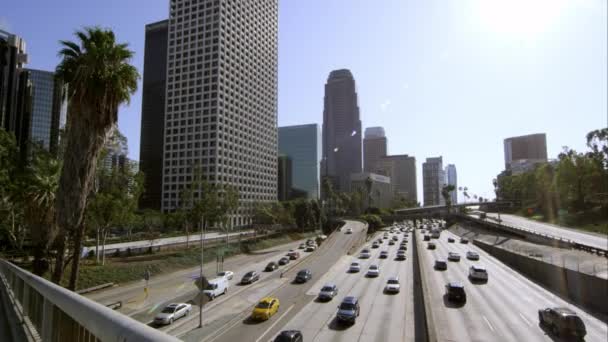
point(584, 290)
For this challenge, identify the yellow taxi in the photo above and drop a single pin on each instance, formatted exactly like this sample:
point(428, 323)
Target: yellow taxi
point(267, 307)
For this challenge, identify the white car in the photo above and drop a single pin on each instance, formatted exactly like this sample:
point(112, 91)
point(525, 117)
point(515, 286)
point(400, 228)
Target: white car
point(349, 231)
point(478, 273)
point(472, 255)
point(365, 254)
point(226, 274)
point(392, 285)
point(354, 267)
point(453, 256)
point(373, 271)
point(172, 312)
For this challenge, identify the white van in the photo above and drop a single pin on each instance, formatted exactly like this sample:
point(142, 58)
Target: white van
point(217, 286)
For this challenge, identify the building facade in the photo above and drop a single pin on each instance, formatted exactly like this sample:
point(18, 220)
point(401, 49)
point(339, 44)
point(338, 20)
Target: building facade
point(451, 178)
point(401, 169)
point(221, 100)
point(379, 195)
point(284, 176)
point(531, 148)
point(374, 147)
point(341, 130)
point(433, 179)
point(49, 108)
point(153, 113)
point(301, 144)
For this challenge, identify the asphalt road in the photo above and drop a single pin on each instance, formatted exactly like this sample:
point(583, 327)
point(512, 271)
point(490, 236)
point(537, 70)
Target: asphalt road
point(383, 317)
point(233, 322)
point(593, 240)
point(503, 309)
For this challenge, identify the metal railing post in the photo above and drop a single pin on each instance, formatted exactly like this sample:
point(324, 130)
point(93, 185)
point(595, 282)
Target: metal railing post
point(47, 320)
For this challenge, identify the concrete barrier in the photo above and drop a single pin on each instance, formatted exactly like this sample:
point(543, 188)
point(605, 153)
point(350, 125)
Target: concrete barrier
point(584, 290)
point(424, 320)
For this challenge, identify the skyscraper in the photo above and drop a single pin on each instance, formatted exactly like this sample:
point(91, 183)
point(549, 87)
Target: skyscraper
point(341, 130)
point(302, 145)
point(285, 180)
point(401, 169)
point(49, 108)
point(374, 147)
point(433, 179)
point(527, 148)
point(221, 103)
point(153, 113)
point(452, 179)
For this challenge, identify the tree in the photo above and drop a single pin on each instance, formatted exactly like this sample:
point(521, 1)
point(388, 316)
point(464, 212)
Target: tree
point(368, 187)
point(12, 228)
point(99, 79)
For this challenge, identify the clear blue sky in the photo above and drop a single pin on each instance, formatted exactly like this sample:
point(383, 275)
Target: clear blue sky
point(443, 77)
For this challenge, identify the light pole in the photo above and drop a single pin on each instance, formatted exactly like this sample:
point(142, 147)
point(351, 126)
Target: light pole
point(200, 309)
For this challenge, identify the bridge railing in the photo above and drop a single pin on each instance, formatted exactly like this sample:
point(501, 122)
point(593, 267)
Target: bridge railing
point(57, 314)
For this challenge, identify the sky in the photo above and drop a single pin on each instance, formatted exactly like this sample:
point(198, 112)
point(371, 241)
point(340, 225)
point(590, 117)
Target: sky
point(449, 78)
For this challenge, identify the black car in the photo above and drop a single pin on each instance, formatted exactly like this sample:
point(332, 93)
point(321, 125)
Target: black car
point(383, 255)
point(464, 240)
point(455, 292)
point(348, 310)
point(271, 266)
point(441, 265)
point(427, 238)
point(403, 248)
point(303, 276)
point(289, 336)
point(284, 261)
point(250, 277)
point(450, 239)
point(562, 322)
point(431, 245)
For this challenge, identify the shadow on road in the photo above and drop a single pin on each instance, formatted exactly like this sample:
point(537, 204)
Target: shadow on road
point(338, 326)
point(451, 304)
point(251, 321)
point(477, 281)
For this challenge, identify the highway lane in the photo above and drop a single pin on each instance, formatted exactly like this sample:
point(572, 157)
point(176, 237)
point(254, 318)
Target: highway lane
point(594, 240)
point(235, 324)
point(383, 317)
point(503, 309)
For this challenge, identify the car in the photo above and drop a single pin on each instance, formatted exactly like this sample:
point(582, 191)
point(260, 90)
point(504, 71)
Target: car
point(250, 277)
point(427, 237)
point(478, 273)
point(403, 248)
point(303, 276)
point(373, 271)
point(289, 336)
point(392, 285)
point(216, 287)
point(455, 292)
point(172, 312)
point(302, 246)
point(383, 255)
point(431, 245)
point(401, 255)
point(310, 242)
point(472, 255)
point(348, 231)
point(354, 267)
point(562, 322)
point(271, 266)
point(310, 249)
point(375, 245)
point(328, 292)
point(453, 256)
point(441, 265)
point(226, 274)
point(293, 255)
point(365, 254)
point(395, 238)
point(451, 240)
point(391, 242)
point(284, 261)
point(266, 307)
point(464, 240)
point(348, 310)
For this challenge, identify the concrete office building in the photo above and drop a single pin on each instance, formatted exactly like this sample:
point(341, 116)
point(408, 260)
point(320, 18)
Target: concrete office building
point(341, 130)
point(401, 169)
point(301, 144)
point(374, 147)
point(153, 113)
point(381, 190)
point(221, 102)
point(433, 179)
point(531, 148)
point(451, 178)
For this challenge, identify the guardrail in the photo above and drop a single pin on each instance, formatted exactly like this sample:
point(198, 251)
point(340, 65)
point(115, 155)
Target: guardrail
point(570, 243)
point(57, 314)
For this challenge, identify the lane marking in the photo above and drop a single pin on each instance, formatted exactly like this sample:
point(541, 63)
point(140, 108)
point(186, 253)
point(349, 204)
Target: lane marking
point(488, 323)
point(275, 323)
point(525, 319)
point(214, 336)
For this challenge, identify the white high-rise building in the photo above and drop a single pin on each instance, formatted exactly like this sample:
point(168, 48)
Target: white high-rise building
point(221, 103)
point(452, 179)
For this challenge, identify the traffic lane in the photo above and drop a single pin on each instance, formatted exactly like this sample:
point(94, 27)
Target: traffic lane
point(290, 295)
point(532, 297)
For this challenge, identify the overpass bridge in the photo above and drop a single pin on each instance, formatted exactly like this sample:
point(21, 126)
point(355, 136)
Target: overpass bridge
point(438, 210)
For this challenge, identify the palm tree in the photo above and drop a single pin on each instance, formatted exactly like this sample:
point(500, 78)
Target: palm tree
point(99, 79)
point(445, 192)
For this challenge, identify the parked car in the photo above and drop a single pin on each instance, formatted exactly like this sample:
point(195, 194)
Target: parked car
point(478, 273)
point(250, 277)
point(172, 312)
point(562, 322)
point(441, 265)
point(284, 261)
point(289, 336)
point(383, 255)
point(401, 255)
point(303, 276)
point(431, 245)
point(464, 240)
point(328, 292)
point(348, 310)
point(373, 271)
point(392, 285)
point(216, 287)
point(455, 292)
point(472, 255)
point(267, 307)
point(226, 274)
point(271, 266)
point(453, 256)
point(354, 267)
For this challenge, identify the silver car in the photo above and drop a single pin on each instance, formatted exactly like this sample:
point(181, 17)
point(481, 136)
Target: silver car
point(172, 312)
point(328, 292)
point(472, 255)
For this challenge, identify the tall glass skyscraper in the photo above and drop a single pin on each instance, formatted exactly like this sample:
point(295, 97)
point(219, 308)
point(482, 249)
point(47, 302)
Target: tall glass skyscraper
point(48, 108)
point(302, 145)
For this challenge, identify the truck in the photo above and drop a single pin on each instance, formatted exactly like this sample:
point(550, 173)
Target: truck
point(216, 287)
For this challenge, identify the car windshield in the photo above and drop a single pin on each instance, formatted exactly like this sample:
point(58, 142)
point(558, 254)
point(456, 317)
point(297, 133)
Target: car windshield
point(347, 306)
point(373, 267)
point(302, 273)
point(393, 281)
point(574, 322)
point(211, 286)
point(327, 289)
point(221, 274)
point(249, 274)
point(263, 305)
point(169, 309)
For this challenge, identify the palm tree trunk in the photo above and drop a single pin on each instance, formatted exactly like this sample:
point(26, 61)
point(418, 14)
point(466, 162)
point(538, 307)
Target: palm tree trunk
point(76, 260)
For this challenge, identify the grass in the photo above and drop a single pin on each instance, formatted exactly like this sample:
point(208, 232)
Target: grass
point(121, 270)
point(591, 221)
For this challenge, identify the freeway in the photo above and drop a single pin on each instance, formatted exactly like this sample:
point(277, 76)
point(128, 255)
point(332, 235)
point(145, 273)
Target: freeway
point(383, 317)
point(230, 321)
point(503, 309)
point(589, 239)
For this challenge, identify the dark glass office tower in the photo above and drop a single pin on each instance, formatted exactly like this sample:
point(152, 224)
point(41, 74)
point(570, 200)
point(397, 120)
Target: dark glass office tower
point(302, 145)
